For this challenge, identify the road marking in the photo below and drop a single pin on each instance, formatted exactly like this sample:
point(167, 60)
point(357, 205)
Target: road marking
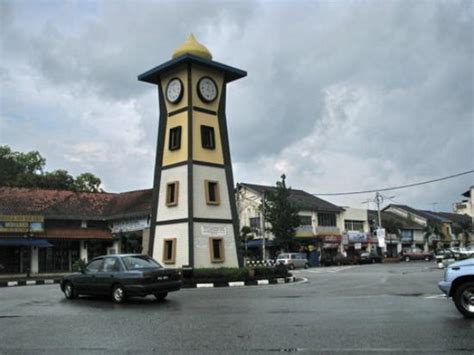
point(48, 281)
point(324, 270)
point(262, 282)
point(12, 283)
point(434, 297)
point(31, 282)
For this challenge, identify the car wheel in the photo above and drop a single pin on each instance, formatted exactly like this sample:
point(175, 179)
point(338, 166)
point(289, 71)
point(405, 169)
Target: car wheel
point(291, 267)
point(160, 296)
point(306, 266)
point(407, 258)
point(464, 299)
point(118, 294)
point(427, 258)
point(69, 291)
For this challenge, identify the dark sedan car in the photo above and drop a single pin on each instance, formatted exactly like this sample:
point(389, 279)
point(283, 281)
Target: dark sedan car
point(122, 276)
point(369, 258)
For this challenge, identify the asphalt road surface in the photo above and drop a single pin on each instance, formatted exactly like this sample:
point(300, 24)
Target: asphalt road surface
point(387, 308)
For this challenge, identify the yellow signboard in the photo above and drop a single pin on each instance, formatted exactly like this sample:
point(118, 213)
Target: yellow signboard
point(21, 224)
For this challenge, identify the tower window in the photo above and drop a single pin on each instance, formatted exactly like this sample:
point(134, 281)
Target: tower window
point(212, 192)
point(169, 251)
point(207, 137)
point(216, 248)
point(172, 193)
point(175, 138)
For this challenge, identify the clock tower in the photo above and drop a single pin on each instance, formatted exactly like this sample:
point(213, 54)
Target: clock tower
point(194, 217)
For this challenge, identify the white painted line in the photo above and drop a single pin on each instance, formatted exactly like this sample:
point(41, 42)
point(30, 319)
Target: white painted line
point(204, 285)
point(436, 296)
point(30, 282)
point(236, 283)
point(49, 281)
point(12, 283)
point(262, 282)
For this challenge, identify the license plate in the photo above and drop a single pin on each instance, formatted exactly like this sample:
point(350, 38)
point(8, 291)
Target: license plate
point(161, 278)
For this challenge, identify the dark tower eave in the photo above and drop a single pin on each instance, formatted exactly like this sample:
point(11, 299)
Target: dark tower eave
point(152, 76)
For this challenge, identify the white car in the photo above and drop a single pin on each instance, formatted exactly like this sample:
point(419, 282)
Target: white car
point(292, 260)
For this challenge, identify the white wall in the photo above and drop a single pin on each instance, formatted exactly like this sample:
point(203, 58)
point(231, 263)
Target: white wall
point(201, 208)
point(181, 210)
point(355, 214)
point(202, 233)
point(178, 231)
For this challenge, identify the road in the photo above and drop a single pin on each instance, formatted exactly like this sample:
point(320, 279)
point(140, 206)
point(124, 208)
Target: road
point(387, 308)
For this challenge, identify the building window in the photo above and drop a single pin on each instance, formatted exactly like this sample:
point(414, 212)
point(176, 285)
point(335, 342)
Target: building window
point(169, 251)
point(207, 137)
point(254, 223)
point(172, 193)
point(305, 220)
point(326, 219)
point(212, 192)
point(175, 138)
point(350, 225)
point(216, 246)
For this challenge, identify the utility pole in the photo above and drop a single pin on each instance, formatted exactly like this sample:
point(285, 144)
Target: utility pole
point(378, 201)
point(263, 228)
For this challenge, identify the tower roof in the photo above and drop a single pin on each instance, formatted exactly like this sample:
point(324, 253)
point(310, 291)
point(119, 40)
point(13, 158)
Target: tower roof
point(192, 46)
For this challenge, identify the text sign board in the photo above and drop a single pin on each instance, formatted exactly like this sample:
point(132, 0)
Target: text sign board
point(21, 224)
point(381, 237)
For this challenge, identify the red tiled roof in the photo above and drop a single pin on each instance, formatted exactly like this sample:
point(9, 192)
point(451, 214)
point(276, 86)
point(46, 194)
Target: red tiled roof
point(74, 205)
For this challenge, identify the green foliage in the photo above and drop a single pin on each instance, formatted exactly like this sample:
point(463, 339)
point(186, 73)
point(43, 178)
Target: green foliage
point(282, 214)
point(392, 226)
point(27, 170)
point(78, 265)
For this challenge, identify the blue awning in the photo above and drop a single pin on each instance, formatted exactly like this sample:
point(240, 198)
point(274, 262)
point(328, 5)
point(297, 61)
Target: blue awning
point(257, 243)
point(24, 242)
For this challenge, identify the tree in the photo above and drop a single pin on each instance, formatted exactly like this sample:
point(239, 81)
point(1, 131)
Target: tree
point(433, 229)
point(27, 170)
point(282, 214)
point(88, 182)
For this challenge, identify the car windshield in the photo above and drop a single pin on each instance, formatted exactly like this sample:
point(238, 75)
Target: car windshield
point(140, 262)
point(283, 256)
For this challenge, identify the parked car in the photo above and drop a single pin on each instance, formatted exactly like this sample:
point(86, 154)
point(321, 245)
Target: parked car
point(444, 257)
point(122, 276)
point(458, 283)
point(292, 260)
point(369, 258)
point(415, 254)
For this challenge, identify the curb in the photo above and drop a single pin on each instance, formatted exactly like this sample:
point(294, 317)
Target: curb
point(276, 281)
point(29, 282)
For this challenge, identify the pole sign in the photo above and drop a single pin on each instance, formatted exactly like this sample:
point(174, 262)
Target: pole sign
point(381, 237)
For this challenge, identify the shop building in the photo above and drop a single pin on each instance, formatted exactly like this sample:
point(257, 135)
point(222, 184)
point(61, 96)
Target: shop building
point(47, 231)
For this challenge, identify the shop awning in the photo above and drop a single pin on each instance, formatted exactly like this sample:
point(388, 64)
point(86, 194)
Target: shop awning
point(257, 243)
point(20, 242)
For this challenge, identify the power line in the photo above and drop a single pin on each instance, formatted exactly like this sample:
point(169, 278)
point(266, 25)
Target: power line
point(396, 187)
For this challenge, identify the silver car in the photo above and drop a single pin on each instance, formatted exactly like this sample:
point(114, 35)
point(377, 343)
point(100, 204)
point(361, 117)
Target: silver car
point(458, 283)
point(293, 260)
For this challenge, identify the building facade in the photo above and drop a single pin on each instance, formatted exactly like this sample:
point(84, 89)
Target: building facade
point(48, 231)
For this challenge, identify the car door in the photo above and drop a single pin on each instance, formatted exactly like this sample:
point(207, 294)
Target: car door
point(107, 275)
point(86, 282)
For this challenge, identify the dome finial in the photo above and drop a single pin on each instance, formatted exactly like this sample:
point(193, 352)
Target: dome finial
point(192, 46)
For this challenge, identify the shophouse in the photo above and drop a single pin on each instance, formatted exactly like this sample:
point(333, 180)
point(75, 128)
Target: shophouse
point(47, 231)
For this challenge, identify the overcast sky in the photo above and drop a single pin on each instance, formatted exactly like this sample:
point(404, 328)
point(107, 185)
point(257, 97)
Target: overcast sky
point(340, 95)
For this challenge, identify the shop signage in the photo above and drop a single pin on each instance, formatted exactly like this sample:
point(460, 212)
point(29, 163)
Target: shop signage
point(21, 224)
point(381, 237)
point(357, 246)
point(331, 238)
point(357, 237)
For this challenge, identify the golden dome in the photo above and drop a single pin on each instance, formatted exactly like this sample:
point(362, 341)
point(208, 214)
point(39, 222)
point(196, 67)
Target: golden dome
point(192, 46)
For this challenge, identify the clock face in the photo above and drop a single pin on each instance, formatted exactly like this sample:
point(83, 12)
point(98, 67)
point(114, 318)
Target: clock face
point(174, 90)
point(207, 89)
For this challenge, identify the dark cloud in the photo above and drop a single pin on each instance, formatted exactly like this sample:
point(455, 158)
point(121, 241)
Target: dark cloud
point(378, 90)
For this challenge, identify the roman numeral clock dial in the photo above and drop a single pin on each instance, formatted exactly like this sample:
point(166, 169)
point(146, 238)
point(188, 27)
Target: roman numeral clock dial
point(207, 89)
